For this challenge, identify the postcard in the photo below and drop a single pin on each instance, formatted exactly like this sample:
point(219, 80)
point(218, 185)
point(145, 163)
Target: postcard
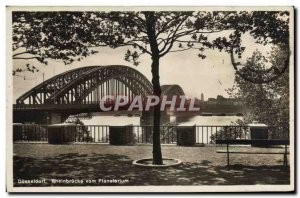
point(150, 99)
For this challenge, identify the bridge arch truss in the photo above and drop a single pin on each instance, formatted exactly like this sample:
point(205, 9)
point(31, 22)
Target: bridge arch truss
point(88, 85)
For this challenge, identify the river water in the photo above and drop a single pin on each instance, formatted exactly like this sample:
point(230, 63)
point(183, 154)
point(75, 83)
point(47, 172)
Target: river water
point(106, 119)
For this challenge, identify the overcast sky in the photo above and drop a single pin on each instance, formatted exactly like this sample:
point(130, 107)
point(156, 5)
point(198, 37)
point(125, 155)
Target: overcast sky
point(210, 76)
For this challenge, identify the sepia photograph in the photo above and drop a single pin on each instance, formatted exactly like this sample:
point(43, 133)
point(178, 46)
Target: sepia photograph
point(150, 99)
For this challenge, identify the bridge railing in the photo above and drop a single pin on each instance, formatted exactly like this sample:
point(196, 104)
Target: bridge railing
point(170, 134)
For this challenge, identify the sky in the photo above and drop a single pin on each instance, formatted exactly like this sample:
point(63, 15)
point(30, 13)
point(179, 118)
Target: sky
point(210, 76)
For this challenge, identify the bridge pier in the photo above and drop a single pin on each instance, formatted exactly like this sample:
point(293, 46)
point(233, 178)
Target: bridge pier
point(56, 118)
point(147, 118)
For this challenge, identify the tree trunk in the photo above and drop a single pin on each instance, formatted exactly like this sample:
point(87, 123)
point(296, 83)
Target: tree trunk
point(157, 156)
point(150, 26)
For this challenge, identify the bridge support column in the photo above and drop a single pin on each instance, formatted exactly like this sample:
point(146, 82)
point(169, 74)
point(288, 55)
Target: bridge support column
point(56, 118)
point(147, 118)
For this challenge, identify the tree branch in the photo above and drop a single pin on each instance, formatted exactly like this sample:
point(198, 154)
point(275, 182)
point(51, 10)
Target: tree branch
point(167, 25)
point(26, 52)
point(260, 80)
point(27, 58)
point(172, 39)
point(132, 43)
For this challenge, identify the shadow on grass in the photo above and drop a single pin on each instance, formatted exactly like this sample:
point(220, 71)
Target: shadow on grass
point(112, 166)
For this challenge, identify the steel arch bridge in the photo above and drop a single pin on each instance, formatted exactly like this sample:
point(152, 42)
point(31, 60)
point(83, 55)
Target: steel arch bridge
point(86, 85)
point(171, 90)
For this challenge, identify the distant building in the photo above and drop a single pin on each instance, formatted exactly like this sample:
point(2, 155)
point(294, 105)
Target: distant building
point(202, 97)
point(211, 101)
point(220, 100)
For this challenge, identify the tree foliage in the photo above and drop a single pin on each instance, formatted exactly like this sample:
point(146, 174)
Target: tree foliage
point(70, 36)
point(42, 36)
point(267, 103)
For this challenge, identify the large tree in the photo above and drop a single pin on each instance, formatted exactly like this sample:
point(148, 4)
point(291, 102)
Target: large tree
point(158, 34)
point(269, 102)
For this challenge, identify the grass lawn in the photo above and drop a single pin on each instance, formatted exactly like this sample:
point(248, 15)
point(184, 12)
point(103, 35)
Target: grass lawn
point(201, 165)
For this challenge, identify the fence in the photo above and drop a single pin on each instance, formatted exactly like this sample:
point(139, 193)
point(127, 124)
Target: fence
point(143, 134)
point(39, 133)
